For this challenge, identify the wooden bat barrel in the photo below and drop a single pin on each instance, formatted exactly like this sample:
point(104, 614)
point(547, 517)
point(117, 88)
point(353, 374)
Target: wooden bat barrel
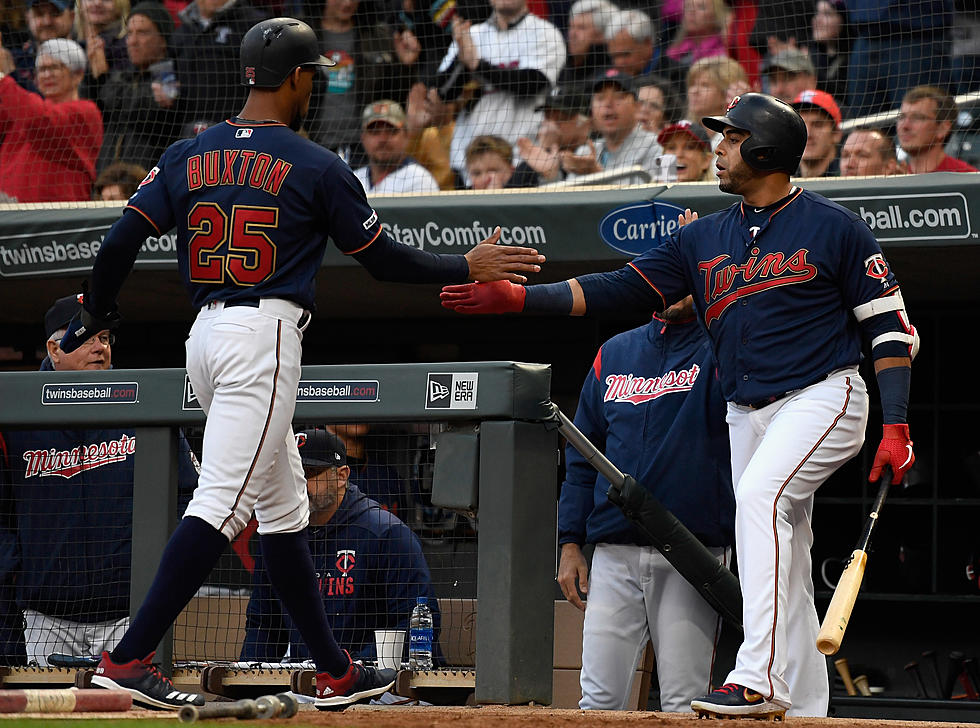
point(65, 700)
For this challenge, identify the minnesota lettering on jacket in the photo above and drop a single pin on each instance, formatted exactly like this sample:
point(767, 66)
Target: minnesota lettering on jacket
point(68, 463)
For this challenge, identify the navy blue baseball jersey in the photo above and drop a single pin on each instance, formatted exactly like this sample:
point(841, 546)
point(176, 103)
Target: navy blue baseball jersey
point(652, 403)
point(370, 571)
point(261, 202)
point(777, 289)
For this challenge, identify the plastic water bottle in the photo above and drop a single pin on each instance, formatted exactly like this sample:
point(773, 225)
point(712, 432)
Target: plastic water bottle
point(420, 636)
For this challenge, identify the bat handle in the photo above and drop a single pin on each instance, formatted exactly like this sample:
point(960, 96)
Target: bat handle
point(845, 673)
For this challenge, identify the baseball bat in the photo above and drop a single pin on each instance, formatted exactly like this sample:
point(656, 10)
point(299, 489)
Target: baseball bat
point(70, 700)
point(861, 683)
point(845, 595)
point(920, 687)
point(935, 682)
point(845, 673)
point(242, 709)
point(714, 581)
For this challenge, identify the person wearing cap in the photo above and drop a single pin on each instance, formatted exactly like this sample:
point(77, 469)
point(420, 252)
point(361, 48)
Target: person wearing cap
point(49, 141)
point(925, 122)
point(369, 564)
point(787, 73)
point(621, 142)
point(206, 55)
point(689, 148)
point(66, 502)
point(514, 58)
point(141, 114)
point(869, 152)
point(823, 133)
point(565, 128)
point(46, 20)
point(389, 170)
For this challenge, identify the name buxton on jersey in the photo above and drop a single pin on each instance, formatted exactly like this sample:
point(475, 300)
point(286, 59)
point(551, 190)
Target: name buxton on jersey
point(237, 167)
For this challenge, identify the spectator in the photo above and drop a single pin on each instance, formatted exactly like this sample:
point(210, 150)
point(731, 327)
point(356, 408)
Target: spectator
point(702, 32)
point(489, 163)
point(565, 128)
point(829, 46)
point(711, 84)
point(689, 144)
point(674, 439)
point(868, 152)
point(587, 56)
point(429, 125)
point(206, 47)
point(370, 65)
point(823, 134)
point(514, 57)
point(630, 41)
point(744, 14)
point(370, 565)
point(621, 142)
point(390, 169)
point(100, 28)
point(140, 113)
point(924, 124)
point(656, 103)
point(46, 20)
point(787, 73)
point(49, 142)
point(67, 520)
point(375, 479)
point(781, 25)
point(897, 45)
point(118, 182)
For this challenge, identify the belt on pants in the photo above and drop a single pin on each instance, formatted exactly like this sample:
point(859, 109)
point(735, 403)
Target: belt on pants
point(250, 302)
point(776, 397)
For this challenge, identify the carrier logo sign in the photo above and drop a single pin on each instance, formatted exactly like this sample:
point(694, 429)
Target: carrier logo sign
point(101, 393)
point(637, 227)
point(451, 391)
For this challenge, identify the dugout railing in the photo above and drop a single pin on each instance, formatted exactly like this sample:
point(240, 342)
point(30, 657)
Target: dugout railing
point(499, 457)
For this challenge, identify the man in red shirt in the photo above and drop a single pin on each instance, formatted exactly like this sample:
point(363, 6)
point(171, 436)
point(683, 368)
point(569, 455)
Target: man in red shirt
point(51, 141)
point(924, 124)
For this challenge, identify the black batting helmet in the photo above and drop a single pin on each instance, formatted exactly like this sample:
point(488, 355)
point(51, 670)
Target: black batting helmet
point(273, 48)
point(777, 133)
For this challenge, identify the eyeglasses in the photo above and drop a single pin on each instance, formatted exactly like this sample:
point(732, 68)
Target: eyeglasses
point(106, 339)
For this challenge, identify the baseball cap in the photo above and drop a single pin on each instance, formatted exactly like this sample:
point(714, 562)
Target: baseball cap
point(614, 76)
point(61, 313)
point(384, 110)
point(815, 99)
point(158, 15)
point(792, 59)
point(692, 129)
point(321, 449)
point(64, 51)
point(61, 5)
point(565, 98)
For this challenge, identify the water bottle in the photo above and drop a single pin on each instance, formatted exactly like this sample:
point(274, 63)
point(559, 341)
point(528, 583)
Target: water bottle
point(420, 636)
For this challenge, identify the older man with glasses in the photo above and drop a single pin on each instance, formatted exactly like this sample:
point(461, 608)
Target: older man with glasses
point(66, 512)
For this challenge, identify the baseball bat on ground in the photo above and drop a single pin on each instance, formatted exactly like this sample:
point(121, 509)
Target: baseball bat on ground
point(243, 709)
point(842, 603)
point(69, 700)
point(681, 548)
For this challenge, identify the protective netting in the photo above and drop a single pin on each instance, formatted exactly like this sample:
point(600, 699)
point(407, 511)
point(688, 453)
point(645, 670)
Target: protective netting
point(377, 541)
point(452, 94)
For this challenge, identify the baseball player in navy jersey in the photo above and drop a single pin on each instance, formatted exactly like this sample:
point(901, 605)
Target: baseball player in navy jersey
point(787, 284)
point(652, 402)
point(253, 204)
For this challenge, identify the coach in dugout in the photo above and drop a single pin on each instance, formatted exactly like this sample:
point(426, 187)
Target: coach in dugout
point(66, 517)
point(369, 565)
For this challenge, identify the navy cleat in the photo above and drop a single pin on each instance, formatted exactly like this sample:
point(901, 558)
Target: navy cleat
point(732, 700)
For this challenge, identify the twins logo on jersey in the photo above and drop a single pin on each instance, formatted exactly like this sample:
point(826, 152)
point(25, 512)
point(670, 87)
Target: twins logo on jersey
point(725, 281)
point(876, 267)
point(638, 390)
point(342, 585)
point(69, 463)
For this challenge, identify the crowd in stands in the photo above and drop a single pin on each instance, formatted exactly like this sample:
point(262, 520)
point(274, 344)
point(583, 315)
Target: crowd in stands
point(481, 94)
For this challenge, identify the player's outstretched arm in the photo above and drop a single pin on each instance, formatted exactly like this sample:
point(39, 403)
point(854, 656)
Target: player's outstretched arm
point(489, 261)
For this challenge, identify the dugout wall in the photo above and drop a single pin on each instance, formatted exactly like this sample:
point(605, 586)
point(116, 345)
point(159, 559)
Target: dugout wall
point(498, 404)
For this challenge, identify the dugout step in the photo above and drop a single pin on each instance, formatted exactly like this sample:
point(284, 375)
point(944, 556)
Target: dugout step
point(447, 686)
point(13, 678)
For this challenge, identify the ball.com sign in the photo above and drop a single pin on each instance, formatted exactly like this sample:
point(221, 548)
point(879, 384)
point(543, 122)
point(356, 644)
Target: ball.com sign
point(639, 226)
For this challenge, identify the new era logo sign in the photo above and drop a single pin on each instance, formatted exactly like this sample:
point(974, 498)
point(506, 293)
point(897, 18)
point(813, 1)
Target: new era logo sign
point(190, 399)
point(451, 391)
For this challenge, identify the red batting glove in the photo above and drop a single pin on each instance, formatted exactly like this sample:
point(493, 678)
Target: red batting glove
point(895, 450)
point(495, 297)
